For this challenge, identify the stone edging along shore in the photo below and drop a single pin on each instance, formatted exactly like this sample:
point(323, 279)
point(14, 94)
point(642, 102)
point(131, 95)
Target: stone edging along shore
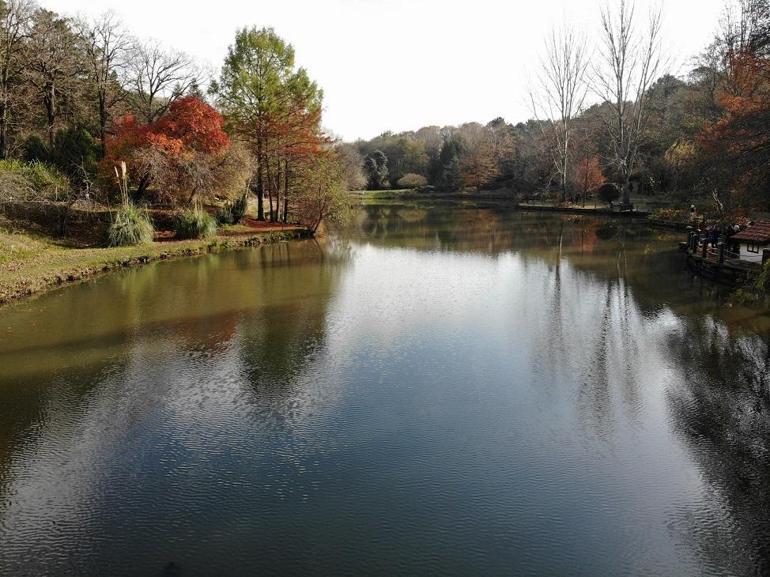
point(41, 279)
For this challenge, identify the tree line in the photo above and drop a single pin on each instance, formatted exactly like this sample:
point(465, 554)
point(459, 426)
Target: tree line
point(89, 113)
point(613, 113)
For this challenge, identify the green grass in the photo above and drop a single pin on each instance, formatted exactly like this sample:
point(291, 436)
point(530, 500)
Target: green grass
point(31, 263)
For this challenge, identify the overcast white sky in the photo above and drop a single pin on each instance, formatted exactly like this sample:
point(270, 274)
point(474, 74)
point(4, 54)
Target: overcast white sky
point(399, 64)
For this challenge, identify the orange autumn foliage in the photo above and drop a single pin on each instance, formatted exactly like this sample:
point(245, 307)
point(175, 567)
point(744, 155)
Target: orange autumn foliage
point(189, 125)
point(588, 175)
point(190, 133)
point(736, 148)
point(194, 124)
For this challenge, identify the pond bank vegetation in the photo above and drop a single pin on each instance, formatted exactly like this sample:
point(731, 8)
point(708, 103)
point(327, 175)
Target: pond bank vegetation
point(32, 263)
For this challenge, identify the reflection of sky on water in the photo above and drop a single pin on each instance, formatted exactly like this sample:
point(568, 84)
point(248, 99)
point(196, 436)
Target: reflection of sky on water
point(433, 410)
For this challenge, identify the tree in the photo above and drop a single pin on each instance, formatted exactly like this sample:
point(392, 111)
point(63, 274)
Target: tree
point(609, 193)
point(54, 66)
point(106, 47)
point(630, 60)
point(504, 144)
point(75, 153)
point(273, 107)
point(296, 138)
point(448, 172)
point(588, 176)
point(478, 165)
point(745, 29)
point(322, 191)
point(157, 78)
point(353, 164)
point(376, 168)
point(735, 150)
point(562, 92)
point(15, 25)
point(185, 154)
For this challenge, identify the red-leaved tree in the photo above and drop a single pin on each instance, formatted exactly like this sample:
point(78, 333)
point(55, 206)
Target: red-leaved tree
point(736, 149)
point(588, 175)
point(183, 156)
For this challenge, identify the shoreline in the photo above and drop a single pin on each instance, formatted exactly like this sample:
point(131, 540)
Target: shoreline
point(27, 279)
point(24, 278)
point(492, 199)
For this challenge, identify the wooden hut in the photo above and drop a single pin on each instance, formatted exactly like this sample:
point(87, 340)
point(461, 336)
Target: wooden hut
point(749, 244)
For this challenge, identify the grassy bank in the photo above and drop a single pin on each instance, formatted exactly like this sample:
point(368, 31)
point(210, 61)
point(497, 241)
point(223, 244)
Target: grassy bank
point(32, 263)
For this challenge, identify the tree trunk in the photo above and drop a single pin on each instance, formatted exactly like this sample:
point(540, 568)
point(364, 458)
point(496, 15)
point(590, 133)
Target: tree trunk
point(260, 187)
point(3, 129)
point(50, 109)
point(286, 193)
point(103, 122)
point(269, 178)
point(141, 188)
point(626, 188)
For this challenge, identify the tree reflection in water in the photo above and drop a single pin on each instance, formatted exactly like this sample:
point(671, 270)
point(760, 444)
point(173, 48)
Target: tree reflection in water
point(530, 375)
point(723, 414)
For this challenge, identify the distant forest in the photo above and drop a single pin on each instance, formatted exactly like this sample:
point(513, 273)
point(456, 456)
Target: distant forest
point(704, 135)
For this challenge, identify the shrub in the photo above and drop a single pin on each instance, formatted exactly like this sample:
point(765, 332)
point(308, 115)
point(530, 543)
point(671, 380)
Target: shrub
point(35, 149)
point(670, 214)
point(239, 208)
point(195, 223)
point(25, 181)
point(232, 212)
point(225, 214)
point(130, 227)
point(75, 150)
point(609, 193)
point(412, 180)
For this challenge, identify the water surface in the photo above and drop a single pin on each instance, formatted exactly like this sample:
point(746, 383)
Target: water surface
point(448, 391)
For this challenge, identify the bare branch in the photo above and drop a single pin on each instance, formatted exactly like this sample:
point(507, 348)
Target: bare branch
point(158, 77)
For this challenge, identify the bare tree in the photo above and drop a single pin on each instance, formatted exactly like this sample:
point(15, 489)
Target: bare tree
point(15, 24)
point(745, 28)
point(158, 77)
point(630, 60)
point(54, 66)
point(563, 88)
point(106, 46)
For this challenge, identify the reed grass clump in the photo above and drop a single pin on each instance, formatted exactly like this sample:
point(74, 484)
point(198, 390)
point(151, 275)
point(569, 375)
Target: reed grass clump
point(130, 226)
point(195, 223)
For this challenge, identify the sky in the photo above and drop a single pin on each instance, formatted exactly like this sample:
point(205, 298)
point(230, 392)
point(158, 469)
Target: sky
point(401, 64)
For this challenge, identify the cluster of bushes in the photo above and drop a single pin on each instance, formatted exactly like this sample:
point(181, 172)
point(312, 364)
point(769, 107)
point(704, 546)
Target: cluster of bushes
point(131, 225)
point(412, 180)
point(37, 181)
point(32, 181)
point(74, 153)
point(670, 214)
point(232, 212)
point(195, 223)
point(609, 193)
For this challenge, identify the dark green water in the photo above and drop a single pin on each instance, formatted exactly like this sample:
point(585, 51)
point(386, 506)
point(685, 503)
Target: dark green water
point(436, 392)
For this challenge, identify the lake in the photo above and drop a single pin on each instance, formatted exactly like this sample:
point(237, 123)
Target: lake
point(436, 390)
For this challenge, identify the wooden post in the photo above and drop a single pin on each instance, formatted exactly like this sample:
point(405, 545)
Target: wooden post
point(721, 253)
point(705, 247)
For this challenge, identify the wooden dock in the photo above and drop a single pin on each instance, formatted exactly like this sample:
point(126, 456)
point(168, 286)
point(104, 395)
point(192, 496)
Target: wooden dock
point(718, 262)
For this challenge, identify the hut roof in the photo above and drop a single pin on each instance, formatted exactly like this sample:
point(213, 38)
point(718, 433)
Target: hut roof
point(758, 232)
